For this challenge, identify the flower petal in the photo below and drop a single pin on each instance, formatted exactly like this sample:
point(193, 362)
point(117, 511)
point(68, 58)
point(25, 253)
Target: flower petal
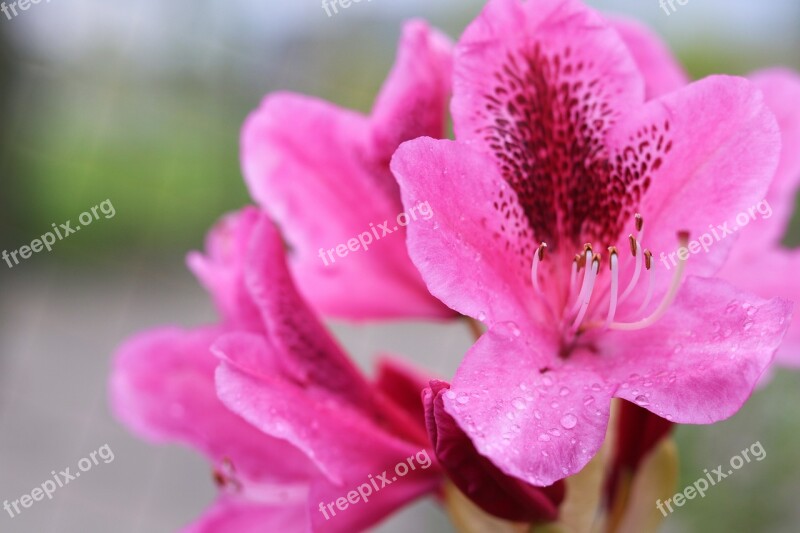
point(342, 443)
point(496, 493)
point(231, 515)
point(709, 152)
point(781, 88)
point(782, 265)
point(221, 269)
point(701, 361)
point(403, 385)
point(511, 42)
point(661, 71)
point(162, 388)
point(311, 165)
point(308, 353)
point(521, 396)
point(413, 100)
point(460, 251)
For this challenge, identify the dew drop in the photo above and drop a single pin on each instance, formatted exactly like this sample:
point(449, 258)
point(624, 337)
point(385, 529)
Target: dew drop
point(588, 400)
point(463, 399)
point(564, 391)
point(544, 437)
point(641, 400)
point(569, 421)
point(451, 395)
point(518, 403)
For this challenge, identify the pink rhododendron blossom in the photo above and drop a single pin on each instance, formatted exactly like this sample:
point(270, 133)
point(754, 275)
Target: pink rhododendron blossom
point(322, 173)
point(290, 423)
point(563, 178)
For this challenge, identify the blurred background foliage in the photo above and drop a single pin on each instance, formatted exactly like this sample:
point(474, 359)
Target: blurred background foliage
point(142, 103)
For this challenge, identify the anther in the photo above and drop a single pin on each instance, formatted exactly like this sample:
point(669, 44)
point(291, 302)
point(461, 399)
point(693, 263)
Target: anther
point(639, 221)
point(669, 297)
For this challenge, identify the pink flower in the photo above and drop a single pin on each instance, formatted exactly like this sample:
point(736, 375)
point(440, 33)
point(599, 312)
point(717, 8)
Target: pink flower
point(322, 173)
point(759, 250)
point(558, 144)
point(289, 423)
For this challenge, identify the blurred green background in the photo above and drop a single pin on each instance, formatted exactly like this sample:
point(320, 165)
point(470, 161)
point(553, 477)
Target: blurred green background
point(141, 102)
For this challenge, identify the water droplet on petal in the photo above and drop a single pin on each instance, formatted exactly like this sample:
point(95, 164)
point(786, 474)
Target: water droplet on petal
point(554, 432)
point(450, 394)
point(462, 399)
point(569, 421)
point(588, 400)
point(564, 391)
point(538, 415)
point(642, 400)
point(481, 316)
point(518, 403)
point(544, 437)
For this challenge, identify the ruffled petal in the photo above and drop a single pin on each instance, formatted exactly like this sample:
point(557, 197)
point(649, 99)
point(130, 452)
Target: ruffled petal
point(311, 165)
point(342, 443)
point(221, 268)
point(514, 393)
point(413, 100)
point(701, 361)
point(162, 388)
point(461, 250)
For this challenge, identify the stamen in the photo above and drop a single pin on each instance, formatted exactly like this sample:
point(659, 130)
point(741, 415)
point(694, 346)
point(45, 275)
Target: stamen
point(538, 257)
point(614, 265)
point(581, 295)
point(636, 248)
point(573, 276)
point(650, 284)
point(669, 297)
point(587, 294)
